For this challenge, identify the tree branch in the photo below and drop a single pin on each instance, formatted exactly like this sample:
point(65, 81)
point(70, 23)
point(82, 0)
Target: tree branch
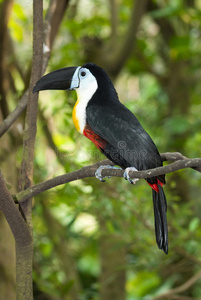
point(180, 288)
point(47, 33)
point(89, 171)
point(26, 170)
point(53, 19)
point(119, 58)
point(167, 29)
point(24, 259)
point(113, 20)
point(52, 11)
point(57, 17)
point(22, 230)
point(12, 117)
point(177, 297)
point(18, 226)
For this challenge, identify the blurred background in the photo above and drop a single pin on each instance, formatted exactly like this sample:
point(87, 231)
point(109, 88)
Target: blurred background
point(93, 240)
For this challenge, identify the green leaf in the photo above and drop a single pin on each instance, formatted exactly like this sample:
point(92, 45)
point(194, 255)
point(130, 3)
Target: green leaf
point(180, 47)
point(193, 225)
point(142, 283)
point(178, 124)
point(167, 11)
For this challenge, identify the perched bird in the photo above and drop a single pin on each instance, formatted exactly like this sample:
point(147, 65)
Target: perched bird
point(100, 116)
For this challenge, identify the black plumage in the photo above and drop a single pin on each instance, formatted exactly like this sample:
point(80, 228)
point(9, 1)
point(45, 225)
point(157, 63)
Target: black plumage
point(128, 144)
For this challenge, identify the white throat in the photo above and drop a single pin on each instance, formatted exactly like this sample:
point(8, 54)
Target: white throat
point(86, 90)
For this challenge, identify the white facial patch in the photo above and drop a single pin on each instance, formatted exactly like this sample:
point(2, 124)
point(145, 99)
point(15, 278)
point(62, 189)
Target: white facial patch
point(87, 87)
point(75, 79)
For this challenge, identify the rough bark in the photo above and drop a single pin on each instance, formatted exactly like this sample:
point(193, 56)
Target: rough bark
point(7, 261)
point(24, 253)
point(7, 243)
point(23, 242)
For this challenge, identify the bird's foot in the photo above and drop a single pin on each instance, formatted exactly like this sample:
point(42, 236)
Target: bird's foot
point(127, 176)
point(101, 168)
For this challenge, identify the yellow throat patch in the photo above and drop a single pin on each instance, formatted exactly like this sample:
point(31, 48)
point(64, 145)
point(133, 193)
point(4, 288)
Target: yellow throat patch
point(75, 118)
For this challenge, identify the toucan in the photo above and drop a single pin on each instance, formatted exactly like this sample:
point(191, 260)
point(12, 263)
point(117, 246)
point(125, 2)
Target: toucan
point(113, 128)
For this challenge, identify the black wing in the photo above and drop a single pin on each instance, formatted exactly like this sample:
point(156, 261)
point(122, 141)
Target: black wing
point(125, 135)
point(121, 129)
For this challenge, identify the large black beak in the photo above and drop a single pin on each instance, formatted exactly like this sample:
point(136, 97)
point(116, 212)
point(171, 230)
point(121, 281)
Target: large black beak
point(62, 79)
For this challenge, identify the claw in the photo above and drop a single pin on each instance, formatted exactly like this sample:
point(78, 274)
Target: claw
point(127, 176)
point(100, 169)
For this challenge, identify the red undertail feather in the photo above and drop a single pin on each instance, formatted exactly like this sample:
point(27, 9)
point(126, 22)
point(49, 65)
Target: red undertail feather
point(154, 186)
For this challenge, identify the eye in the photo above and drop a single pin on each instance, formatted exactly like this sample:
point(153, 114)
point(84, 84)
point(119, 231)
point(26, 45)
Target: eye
point(83, 73)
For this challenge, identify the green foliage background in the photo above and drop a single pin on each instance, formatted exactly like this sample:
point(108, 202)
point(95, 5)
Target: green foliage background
point(160, 84)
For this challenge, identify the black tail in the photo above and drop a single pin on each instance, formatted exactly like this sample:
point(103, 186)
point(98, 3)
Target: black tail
point(160, 209)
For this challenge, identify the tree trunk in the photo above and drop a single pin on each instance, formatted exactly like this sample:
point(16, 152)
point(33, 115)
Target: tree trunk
point(7, 261)
point(7, 243)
